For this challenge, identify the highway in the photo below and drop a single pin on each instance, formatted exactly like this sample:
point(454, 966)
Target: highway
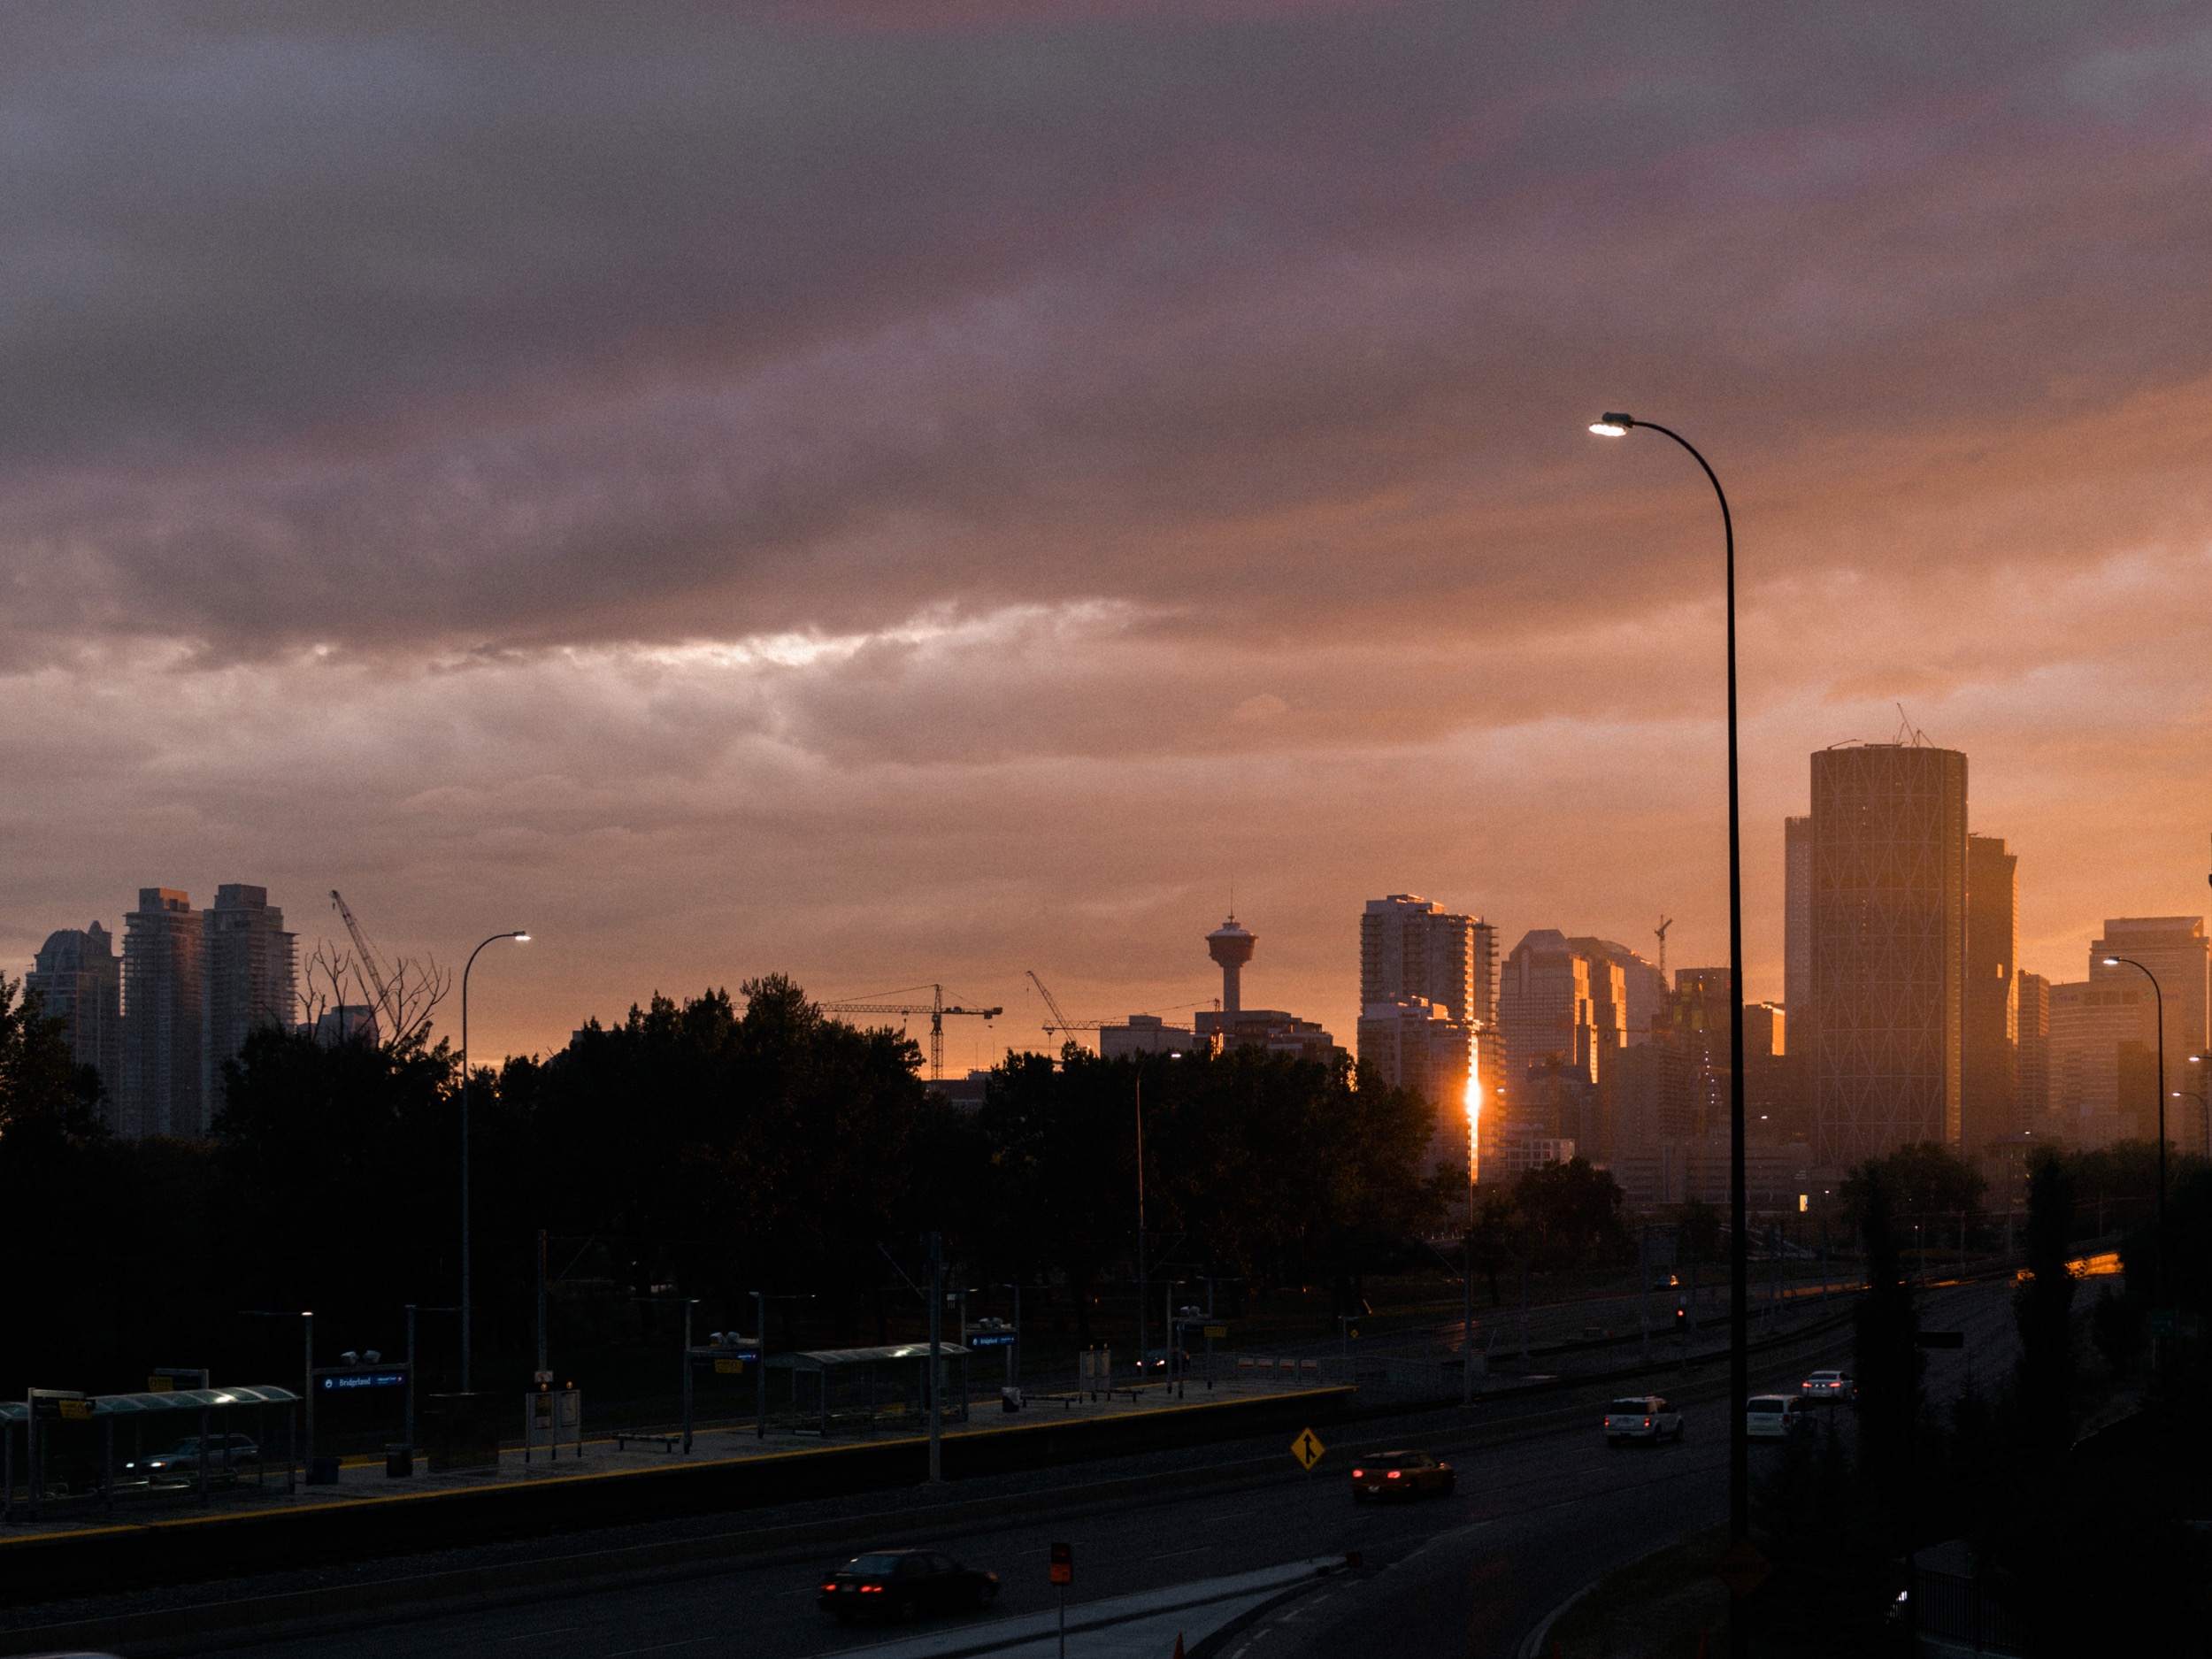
point(1531, 1523)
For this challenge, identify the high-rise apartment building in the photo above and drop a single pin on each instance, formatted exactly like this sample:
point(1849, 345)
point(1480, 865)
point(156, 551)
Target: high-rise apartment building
point(1989, 1065)
point(250, 978)
point(162, 1074)
point(1412, 949)
point(1887, 928)
point(1410, 946)
point(78, 981)
point(1414, 1044)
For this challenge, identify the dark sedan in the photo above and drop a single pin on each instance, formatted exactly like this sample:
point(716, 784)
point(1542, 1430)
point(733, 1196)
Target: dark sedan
point(903, 1584)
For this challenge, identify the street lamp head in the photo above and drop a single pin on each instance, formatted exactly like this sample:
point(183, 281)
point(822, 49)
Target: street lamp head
point(1612, 425)
point(2112, 961)
point(520, 939)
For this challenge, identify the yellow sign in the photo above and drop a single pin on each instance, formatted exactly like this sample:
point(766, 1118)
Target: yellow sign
point(1744, 1567)
point(729, 1368)
point(1217, 1330)
point(161, 1384)
point(79, 1410)
point(1306, 1449)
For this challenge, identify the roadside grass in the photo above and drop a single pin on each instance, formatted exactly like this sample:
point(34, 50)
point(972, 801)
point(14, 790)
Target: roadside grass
point(1657, 1608)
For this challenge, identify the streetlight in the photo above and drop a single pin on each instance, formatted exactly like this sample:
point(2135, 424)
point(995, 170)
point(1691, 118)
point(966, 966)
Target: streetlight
point(1142, 1280)
point(1613, 425)
point(520, 938)
point(2158, 995)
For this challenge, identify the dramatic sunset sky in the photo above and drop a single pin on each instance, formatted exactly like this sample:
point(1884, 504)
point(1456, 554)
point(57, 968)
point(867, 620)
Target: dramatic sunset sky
point(899, 492)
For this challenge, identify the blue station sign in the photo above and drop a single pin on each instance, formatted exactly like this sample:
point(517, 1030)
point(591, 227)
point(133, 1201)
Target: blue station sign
point(346, 1382)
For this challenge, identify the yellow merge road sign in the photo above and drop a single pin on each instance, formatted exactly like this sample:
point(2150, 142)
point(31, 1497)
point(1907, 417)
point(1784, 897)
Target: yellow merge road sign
point(1306, 1449)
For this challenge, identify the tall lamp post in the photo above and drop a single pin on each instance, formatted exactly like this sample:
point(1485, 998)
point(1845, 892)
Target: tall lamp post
point(1619, 425)
point(2158, 996)
point(467, 1305)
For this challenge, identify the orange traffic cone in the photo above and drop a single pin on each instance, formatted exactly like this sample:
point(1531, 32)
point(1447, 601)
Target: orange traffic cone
point(1178, 1645)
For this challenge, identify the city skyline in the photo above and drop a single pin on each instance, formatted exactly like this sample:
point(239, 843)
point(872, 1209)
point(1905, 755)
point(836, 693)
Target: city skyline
point(812, 558)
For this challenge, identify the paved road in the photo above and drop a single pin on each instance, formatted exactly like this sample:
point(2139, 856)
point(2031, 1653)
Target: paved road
point(1470, 1575)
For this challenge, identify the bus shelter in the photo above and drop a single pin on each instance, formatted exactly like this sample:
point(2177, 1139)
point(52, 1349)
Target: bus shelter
point(57, 1446)
point(856, 1390)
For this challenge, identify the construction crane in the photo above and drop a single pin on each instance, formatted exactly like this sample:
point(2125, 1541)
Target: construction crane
point(936, 1008)
point(1059, 1021)
point(384, 1005)
point(1665, 922)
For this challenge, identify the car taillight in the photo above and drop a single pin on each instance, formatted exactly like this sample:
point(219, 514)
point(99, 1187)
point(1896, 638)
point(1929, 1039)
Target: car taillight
point(1394, 1474)
point(1646, 1422)
point(830, 1588)
point(871, 1589)
point(1357, 1473)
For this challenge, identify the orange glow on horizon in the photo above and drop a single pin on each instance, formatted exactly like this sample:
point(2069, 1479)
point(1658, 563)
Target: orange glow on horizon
point(1474, 1114)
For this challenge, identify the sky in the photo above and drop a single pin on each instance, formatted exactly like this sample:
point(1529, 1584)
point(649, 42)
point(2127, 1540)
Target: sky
point(899, 492)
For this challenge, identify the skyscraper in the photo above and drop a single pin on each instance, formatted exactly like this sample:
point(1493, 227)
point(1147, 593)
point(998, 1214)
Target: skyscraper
point(162, 1074)
point(2033, 1003)
point(1428, 987)
point(1989, 1075)
point(1888, 936)
point(2174, 949)
point(1640, 983)
point(78, 979)
point(1797, 919)
point(1410, 946)
point(250, 978)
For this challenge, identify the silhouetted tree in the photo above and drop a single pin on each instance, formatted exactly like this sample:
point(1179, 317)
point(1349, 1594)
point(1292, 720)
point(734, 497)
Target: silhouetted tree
point(2043, 1308)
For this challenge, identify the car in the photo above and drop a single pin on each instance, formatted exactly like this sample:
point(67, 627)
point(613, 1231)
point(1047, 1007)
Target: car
point(1407, 1475)
point(1169, 1360)
point(225, 1454)
point(1829, 1385)
point(903, 1584)
point(1777, 1417)
point(1641, 1417)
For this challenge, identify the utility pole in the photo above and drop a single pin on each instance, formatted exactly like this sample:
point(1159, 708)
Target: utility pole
point(936, 1354)
point(1141, 1262)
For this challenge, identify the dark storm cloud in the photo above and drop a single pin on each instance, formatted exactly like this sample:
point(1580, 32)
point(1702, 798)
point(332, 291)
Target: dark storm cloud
point(366, 325)
point(868, 486)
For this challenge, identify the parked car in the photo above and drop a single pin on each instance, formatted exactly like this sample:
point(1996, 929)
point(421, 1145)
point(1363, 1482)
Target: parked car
point(903, 1584)
point(1641, 1417)
point(227, 1454)
point(1169, 1361)
point(1408, 1475)
point(1829, 1385)
point(1777, 1417)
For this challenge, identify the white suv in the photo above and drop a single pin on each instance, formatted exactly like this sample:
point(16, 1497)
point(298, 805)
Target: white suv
point(1641, 1417)
point(1776, 1417)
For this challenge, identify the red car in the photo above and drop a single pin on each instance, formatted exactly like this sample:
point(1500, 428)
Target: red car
point(1407, 1475)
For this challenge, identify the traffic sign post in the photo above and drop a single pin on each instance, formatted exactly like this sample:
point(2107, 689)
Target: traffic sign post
point(1062, 1576)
